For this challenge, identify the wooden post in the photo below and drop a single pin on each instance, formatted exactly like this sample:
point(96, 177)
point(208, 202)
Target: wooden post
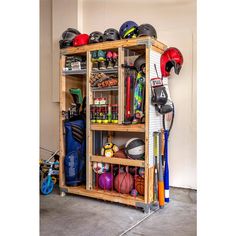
point(147, 99)
point(89, 138)
point(121, 82)
point(61, 120)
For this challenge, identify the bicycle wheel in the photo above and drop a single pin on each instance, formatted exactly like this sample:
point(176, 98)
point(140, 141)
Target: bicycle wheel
point(47, 185)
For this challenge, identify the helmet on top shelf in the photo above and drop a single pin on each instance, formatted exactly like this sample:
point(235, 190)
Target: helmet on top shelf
point(147, 30)
point(111, 34)
point(128, 30)
point(80, 40)
point(96, 37)
point(67, 37)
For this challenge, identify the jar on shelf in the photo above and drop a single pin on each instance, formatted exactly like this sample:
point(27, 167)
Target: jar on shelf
point(114, 110)
point(93, 113)
point(96, 101)
point(105, 113)
point(103, 101)
point(109, 115)
point(99, 114)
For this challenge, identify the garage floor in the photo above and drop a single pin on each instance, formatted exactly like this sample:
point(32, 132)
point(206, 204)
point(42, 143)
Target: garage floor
point(80, 216)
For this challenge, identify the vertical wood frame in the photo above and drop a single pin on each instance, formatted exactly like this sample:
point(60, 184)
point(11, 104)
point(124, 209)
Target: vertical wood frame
point(147, 98)
point(89, 138)
point(61, 120)
point(121, 82)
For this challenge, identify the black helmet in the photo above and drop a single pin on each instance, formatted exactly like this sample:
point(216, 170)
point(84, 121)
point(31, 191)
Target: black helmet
point(111, 34)
point(96, 37)
point(139, 62)
point(67, 37)
point(147, 30)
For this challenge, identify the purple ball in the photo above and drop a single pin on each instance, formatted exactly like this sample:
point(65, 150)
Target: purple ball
point(106, 180)
point(134, 193)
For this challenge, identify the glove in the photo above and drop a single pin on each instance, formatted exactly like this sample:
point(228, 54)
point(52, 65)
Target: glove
point(159, 96)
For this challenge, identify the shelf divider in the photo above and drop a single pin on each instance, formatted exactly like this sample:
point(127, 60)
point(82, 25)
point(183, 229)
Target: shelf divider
point(118, 161)
point(140, 128)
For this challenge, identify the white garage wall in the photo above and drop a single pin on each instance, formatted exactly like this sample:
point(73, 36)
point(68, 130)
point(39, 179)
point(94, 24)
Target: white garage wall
point(175, 21)
point(49, 111)
point(55, 17)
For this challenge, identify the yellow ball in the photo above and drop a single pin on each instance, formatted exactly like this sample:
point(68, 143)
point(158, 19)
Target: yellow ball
point(109, 149)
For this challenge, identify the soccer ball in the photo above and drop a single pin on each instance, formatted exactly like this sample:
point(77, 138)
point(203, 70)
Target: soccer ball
point(109, 149)
point(100, 168)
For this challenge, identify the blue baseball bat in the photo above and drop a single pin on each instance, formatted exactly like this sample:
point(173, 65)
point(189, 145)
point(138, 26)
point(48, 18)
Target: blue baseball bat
point(166, 170)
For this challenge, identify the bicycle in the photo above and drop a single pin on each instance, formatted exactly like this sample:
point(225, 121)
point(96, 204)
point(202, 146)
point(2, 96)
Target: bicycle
point(48, 171)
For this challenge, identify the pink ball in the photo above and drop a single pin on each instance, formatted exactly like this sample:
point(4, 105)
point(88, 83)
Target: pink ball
point(106, 181)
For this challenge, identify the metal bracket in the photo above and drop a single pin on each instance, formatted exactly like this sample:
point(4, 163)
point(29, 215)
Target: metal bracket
point(147, 208)
point(65, 190)
point(147, 42)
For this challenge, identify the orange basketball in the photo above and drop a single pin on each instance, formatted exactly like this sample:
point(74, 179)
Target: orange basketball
point(124, 182)
point(139, 185)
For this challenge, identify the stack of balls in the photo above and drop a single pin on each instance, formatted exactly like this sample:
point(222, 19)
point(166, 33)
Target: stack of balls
point(127, 180)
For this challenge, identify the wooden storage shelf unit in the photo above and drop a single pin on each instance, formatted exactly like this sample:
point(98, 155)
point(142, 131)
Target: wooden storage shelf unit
point(138, 46)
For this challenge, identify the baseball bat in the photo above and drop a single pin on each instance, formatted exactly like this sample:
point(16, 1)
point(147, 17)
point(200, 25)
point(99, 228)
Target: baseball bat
point(162, 147)
point(161, 193)
point(156, 168)
point(166, 171)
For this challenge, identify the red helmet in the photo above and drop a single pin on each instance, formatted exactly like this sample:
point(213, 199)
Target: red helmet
point(80, 39)
point(171, 57)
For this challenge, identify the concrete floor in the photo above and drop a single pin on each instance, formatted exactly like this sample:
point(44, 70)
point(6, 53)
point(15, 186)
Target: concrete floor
point(80, 216)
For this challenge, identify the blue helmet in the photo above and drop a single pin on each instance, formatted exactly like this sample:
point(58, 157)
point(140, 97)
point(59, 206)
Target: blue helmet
point(128, 30)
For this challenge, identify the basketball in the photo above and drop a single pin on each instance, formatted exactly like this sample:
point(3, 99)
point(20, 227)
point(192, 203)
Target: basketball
point(105, 181)
point(120, 154)
point(139, 185)
point(134, 148)
point(124, 182)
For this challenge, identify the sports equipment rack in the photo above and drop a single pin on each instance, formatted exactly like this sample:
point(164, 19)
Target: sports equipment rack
point(152, 49)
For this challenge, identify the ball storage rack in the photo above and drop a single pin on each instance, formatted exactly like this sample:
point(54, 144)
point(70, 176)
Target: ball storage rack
point(118, 133)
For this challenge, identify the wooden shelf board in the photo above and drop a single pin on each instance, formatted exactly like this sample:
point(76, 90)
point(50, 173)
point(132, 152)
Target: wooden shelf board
point(105, 89)
point(114, 44)
point(106, 71)
point(118, 127)
point(74, 72)
point(105, 195)
point(118, 161)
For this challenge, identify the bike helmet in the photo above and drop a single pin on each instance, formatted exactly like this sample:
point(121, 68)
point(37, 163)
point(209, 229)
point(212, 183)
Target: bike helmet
point(80, 39)
point(111, 34)
point(139, 63)
point(147, 30)
point(128, 30)
point(67, 37)
point(171, 57)
point(96, 37)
